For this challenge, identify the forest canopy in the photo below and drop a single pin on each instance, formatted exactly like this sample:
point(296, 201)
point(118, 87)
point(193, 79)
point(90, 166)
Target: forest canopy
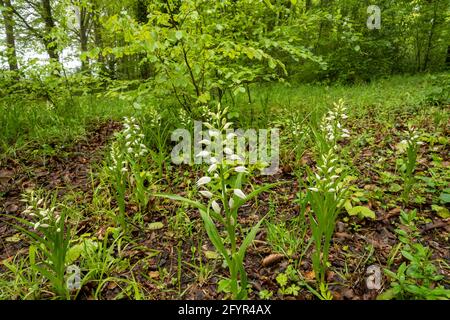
point(198, 50)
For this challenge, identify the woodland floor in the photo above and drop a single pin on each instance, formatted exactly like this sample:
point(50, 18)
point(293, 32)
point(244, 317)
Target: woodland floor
point(70, 171)
point(169, 255)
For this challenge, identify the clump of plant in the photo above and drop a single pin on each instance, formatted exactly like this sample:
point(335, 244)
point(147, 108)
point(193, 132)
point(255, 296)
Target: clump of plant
point(418, 277)
point(326, 192)
point(288, 282)
point(134, 156)
point(222, 188)
point(412, 144)
point(127, 154)
point(326, 195)
point(50, 237)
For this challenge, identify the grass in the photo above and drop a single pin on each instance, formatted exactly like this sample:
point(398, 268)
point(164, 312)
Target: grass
point(166, 253)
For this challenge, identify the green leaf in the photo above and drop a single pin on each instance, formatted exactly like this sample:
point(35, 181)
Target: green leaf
point(214, 236)
point(155, 226)
point(407, 255)
point(387, 295)
point(74, 253)
point(395, 187)
point(224, 285)
point(362, 212)
point(444, 197)
point(257, 192)
point(179, 35)
point(441, 211)
point(267, 2)
point(247, 241)
point(282, 279)
point(195, 204)
point(211, 255)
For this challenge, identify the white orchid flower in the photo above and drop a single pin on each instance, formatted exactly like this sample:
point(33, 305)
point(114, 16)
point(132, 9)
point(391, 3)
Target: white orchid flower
point(235, 157)
point(206, 193)
point(240, 169)
point(205, 142)
point(216, 207)
point(212, 167)
point(239, 193)
point(203, 154)
point(203, 180)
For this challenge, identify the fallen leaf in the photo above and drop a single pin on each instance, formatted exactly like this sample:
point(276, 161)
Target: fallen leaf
point(12, 208)
point(310, 275)
point(272, 259)
point(111, 285)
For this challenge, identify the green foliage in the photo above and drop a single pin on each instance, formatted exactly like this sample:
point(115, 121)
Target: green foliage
point(418, 277)
point(50, 237)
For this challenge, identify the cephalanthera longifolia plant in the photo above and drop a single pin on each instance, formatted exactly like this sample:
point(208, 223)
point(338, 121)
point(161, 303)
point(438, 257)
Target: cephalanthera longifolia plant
point(326, 192)
point(135, 153)
point(50, 236)
point(222, 188)
point(126, 155)
point(409, 162)
point(326, 196)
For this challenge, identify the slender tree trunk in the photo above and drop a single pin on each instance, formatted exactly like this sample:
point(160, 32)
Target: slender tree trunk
point(84, 34)
point(142, 17)
point(447, 59)
point(49, 41)
point(98, 41)
point(307, 5)
point(430, 38)
point(10, 37)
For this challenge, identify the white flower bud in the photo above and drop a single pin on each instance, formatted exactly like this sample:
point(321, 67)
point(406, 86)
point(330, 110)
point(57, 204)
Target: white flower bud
point(203, 180)
point(239, 193)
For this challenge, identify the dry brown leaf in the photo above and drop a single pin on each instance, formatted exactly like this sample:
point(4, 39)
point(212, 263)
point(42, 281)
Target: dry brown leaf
point(272, 259)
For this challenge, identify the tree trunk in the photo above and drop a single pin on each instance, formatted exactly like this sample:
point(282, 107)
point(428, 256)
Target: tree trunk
point(307, 5)
point(49, 41)
point(84, 35)
point(447, 60)
point(430, 38)
point(10, 37)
